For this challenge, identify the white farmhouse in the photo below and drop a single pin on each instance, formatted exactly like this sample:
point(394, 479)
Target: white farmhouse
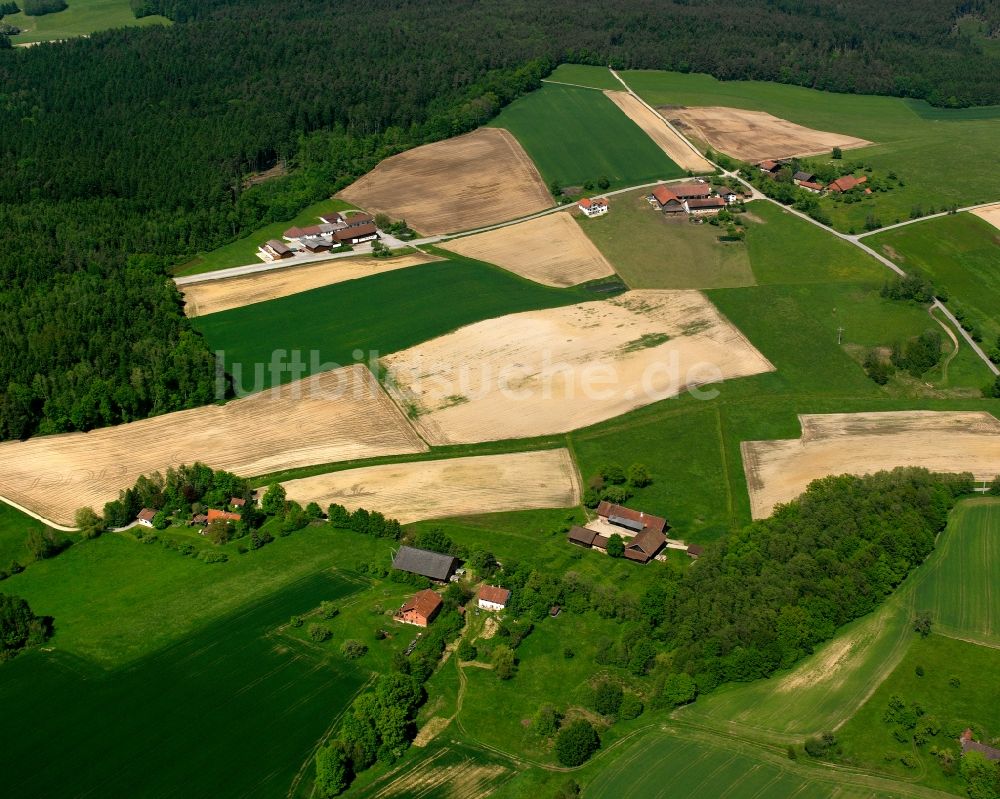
point(593, 207)
point(493, 597)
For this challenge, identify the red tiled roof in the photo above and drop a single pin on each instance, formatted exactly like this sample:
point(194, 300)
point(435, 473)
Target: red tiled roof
point(495, 594)
point(214, 514)
point(292, 233)
point(239, 502)
point(847, 182)
point(768, 165)
point(360, 231)
point(808, 184)
point(649, 522)
point(146, 514)
point(663, 195)
point(645, 545)
point(424, 603)
point(707, 202)
point(688, 190)
point(585, 202)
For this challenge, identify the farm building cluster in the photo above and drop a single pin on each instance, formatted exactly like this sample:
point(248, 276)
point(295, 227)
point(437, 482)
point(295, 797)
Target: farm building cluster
point(147, 516)
point(643, 534)
point(333, 232)
point(696, 198)
point(810, 182)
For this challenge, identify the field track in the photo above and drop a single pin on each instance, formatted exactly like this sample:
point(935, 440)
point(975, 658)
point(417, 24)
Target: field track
point(862, 443)
point(655, 127)
point(337, 415)
point(556, 370)
point(755, 135)
point(551, 249)
point(454, 487)
point(212, 296)
point(471, 181)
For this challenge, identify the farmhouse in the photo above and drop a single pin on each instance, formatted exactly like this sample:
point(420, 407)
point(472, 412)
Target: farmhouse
point(667, 201)
point(274, 250)
point(707, 205)
point(237, 502)
point(432, 565)
point(632, 520)
point(146, 516)
point(358, 220)
point(333, 218)
point(846, 183)
point(356, 234)
point(224, 515)
point(691, 191)
point(421, 609)
point(969, 745)
point(645, 546)
point(727, 194)
point(769, 167)
point(493, 597)
point(593, 207)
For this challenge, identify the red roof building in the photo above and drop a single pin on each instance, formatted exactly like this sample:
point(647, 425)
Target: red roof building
point(691, 191)
point(846, 183)
point(706, 204)
point(593, 207)
point(145, 517)
point(421, 609)
point(643, 547)
point(634, 520)
point(224, 515)
point(769, 166)
point(493, 597)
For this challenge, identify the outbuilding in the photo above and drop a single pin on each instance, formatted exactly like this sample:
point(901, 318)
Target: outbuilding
point(432, 565)
point(146, 516)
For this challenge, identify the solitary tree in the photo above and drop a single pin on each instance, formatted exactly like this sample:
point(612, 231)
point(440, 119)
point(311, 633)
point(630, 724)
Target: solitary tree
point(922, 623)
point(273, 501)
point(576, 742)
point(837, 153)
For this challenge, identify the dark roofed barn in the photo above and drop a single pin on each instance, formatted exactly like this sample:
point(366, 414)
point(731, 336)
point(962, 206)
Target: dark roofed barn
point(645, 546)
point(432, 565)
point(581, 536)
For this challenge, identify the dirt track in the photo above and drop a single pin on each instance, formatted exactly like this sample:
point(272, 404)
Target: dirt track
point(202, 299)
point(551, 249)
point(551, 371)
point(471, 181)
point(655, 127)
point(335, 416)
point(453, 487)
point(862, 443)
point(991, 214)
point(755, 135)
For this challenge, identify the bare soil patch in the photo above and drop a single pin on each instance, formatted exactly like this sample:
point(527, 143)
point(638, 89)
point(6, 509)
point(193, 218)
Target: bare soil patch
point(656, 127)
point(452, 487)
point(862, 443)
point(430, 730)
point(551, 249)
point(462, 780)
point(756, 135)
point(212, 296)
point(334, 416)
point(551, 371)
point(990, 213)
point(471, 181)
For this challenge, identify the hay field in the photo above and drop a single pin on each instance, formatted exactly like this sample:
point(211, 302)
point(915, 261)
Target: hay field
point(991, 214)
point(478, 179)
point(552, 250)
point(335, 416)
point(452, 487)
point(212, 296)
point(755, 135)
point(862, 443)
point(551, 371)
point(660, 132)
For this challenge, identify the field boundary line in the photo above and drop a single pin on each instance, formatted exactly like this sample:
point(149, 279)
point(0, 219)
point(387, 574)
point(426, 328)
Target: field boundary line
point(566, 83)
point(42, 519)
point(727, 476)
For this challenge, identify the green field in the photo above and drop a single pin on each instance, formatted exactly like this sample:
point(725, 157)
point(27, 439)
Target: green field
point(939, 154)
point(576, 135)
point(244, 251)
point(652, 251)
point(80, 18)
point(374, 316)
point(959, 254)
point(958, 689)
point(582, 75)
point(14, 529)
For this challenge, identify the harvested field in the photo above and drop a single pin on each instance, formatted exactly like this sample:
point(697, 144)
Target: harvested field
point(334, 416)
point(454, 487)
point(551, 249)
point(755, 135)
point(862, 443)
point(551, 371)
point(478, 179)
point(212, 296)
point(660, 132)
point(991, 214)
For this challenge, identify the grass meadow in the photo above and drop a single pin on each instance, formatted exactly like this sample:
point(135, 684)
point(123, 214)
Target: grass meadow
point(583, 75)
point(652, 251)
point(959, 254)
point(80, 18)
point(14, 529)
point(244, 251)
point(378, 314)
point(940, 155)
point(576, 135)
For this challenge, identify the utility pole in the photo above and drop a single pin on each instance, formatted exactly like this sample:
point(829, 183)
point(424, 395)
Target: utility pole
point(840, 335)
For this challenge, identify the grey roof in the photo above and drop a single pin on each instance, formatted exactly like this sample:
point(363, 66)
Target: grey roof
point(424, 562)
point(628, 524)
point(807, 176)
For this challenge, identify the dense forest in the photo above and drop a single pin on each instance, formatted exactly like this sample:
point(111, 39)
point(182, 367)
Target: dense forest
point(126, 151)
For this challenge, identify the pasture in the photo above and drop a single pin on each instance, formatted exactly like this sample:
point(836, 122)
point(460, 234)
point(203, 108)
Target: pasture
point(14, 529)
point(338, 415)
point(470, 181)
point(652, 251)
point(862, 443)
point(937, 153)
point(243, 251)
point(551, 250)
point(576, 135)
point(959, 254)
point(366, 318)
point(654, 126)
point(584, 75)
point(991, 214)
point(78, 19)
point(552, 371)
point(452, 487)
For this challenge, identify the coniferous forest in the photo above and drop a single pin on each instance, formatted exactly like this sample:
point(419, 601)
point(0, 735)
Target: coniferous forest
point(124, 153)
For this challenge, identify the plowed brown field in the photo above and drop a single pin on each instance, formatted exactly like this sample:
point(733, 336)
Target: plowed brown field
point(660, 132)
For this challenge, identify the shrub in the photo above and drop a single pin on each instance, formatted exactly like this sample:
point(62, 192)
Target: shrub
point(631, 707)
point(616, 546)
point(207, 556)
point(352, 649)
point(613, 473)
point(328, 610)
point(608, 698)
point(503, 661)
point(576, 742)
point(545, 722)
point(638, 475)
point(466, 651)
point(295, 621)
point(319, 633)
point(616, 494)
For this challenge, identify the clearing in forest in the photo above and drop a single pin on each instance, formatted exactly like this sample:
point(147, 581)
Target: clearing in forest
point(862, 443)
point(452, 487)
point(212, 296)
point(551, 371)
point(990, 213)
point(471, 181)
point(660, 132)
point(755, 135)
point(551, 250)
point(334, 416)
